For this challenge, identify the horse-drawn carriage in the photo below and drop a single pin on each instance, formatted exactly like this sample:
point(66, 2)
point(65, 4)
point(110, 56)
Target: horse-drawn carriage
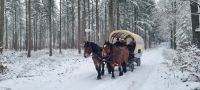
point(115, 52)
point(134, 42)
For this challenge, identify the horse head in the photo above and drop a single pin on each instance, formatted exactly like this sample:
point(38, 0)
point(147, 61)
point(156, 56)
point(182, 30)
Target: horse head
point(87, 49)
point(106, 50)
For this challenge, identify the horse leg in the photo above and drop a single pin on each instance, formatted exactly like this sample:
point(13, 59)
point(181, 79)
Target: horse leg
point(108, 67)
point(98, 68)
point(120, 71)
point(99, 72)
point(112, 70)
point(102, 72)
point(124, 67)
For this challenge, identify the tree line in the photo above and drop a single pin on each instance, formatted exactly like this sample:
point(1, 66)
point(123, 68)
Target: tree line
point(38, 24)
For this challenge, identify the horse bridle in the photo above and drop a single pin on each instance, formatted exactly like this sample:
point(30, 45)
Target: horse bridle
point(107, 58)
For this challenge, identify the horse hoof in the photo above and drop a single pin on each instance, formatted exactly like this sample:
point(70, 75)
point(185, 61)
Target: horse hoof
point(113, 77)
point(120, 74)
point(98, 78)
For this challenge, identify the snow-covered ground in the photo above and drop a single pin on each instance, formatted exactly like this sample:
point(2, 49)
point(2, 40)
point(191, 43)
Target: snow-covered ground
point(71, 71)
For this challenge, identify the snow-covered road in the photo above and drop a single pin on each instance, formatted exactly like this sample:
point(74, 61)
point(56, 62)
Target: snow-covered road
point(71, 71)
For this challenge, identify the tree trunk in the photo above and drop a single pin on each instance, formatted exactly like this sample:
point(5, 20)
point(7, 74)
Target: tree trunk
point(60, 37)
point(135, 20)
point(145, 38)
point(106, 31)
point(67, 31)
point(118, 15)
point(88, 38)
point(174, 34)
point(40, 39)
point(149, 39)
point(97, 22)
point(54, 34)
point(132, 24)
point(20, 35)
point(36, 36)
point(73, 20)
point(1, 24)
point(171, 39)
point(26, 39)
point(84, 21)
point(35, 33)
point(195, 23)
point(6, 46)
point(174, 24)
point(15, 29)
point(65, 35)
point(50, 31)
point(93, 35)
point(111, 15)
point(29, 33)
point(79, 29)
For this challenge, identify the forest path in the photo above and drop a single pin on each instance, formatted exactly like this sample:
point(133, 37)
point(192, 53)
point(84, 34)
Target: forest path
point(80, 74)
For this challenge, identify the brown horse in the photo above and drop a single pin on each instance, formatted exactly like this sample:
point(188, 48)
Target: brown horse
point(119, 56)
point(90, 47)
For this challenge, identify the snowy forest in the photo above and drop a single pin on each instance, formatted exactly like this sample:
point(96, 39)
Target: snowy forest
point(42, 43)
point(35, 25)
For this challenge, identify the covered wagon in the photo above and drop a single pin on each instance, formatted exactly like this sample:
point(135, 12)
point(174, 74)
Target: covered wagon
point(129, 37)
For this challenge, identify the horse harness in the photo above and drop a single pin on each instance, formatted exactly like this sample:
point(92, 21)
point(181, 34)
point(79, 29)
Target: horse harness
point(96, 55)
point(101, 58)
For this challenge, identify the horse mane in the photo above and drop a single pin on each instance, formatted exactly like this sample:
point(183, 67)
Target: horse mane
point(110, 44)
point(95, 48)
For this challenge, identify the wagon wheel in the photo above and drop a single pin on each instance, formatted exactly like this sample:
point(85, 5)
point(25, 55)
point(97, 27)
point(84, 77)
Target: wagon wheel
point(131, 63)
point(138, 62)
point(131, 67)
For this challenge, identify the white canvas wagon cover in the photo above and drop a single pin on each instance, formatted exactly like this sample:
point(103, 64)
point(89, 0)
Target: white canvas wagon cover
point(125, 34)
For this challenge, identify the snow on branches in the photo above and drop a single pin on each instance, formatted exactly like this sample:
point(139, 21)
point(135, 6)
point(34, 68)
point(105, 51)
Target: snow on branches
point(188, 62)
